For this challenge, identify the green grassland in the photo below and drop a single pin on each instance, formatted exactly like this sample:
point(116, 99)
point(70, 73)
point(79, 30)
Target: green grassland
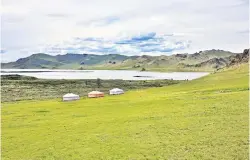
point(16, 88)
point(205, 118)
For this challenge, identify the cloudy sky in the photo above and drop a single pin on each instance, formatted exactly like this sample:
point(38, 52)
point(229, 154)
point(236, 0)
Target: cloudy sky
point(130, 27)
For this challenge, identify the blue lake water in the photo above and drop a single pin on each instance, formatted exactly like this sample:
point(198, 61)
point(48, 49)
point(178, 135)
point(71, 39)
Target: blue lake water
point(103, 74)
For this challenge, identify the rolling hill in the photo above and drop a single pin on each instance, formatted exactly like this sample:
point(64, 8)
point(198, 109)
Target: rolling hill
point(208, 60)
point(67, 61)
point(206, 118)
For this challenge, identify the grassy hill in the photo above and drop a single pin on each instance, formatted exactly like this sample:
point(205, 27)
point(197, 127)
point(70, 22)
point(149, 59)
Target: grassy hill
point(67, 61)
point(177, 62)
point(206, 118)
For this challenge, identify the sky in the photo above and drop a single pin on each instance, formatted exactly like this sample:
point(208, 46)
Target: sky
point(129, 27)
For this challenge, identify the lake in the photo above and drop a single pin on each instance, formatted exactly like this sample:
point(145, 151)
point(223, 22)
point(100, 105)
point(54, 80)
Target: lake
point(103, 74)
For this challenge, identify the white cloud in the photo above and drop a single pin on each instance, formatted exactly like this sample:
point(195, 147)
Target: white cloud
point(30, 26)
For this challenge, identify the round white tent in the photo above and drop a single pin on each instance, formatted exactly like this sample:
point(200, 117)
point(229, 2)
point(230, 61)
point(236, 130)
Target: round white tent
point(116, 91)
point(70, 97)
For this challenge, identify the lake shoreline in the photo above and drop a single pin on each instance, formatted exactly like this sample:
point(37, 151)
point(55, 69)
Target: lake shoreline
point(104, 74)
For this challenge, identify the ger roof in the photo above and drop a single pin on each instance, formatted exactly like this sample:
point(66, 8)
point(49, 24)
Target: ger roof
point(70, 95)
point(95, 92)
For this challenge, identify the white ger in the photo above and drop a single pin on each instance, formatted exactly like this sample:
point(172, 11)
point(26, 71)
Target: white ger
point(116, 91)
point(70, 97)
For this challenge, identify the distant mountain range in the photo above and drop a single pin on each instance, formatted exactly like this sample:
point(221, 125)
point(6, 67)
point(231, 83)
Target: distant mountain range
point(208, 60)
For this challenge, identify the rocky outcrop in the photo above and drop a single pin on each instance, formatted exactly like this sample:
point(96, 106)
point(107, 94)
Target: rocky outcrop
point(181, 55)
point(215, 63)
point(239, 58)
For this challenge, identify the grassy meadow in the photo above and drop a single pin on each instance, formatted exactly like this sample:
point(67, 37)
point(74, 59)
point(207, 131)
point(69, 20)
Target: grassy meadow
point(16, 88)
point(205, 118)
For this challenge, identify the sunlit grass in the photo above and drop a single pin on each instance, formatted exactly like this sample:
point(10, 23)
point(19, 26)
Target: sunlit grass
point(205, 118)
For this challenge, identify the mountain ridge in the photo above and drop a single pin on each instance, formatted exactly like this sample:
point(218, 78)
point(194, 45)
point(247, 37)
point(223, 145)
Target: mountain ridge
point(207, 60)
